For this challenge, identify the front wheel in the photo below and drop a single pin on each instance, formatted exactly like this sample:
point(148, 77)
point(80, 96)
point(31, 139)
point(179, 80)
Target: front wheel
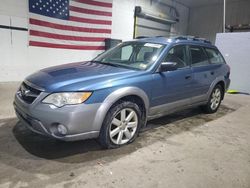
point(121, 125)
point(214, 100)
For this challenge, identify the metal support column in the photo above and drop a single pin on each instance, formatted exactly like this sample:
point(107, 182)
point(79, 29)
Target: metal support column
point(224, 17)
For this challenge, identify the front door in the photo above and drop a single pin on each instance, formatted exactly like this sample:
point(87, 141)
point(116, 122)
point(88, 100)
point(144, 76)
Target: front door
point(171, 89)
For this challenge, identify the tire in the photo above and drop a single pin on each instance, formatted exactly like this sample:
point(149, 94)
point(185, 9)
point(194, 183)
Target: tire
point(121, 125)
point(214, 100)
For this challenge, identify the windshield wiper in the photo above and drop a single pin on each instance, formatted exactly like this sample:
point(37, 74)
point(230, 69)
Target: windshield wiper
point(116, 65)
point(106, 63)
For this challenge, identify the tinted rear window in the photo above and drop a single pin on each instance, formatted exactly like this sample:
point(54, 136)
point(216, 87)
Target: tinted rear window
point(214, 56)
point(198, 56)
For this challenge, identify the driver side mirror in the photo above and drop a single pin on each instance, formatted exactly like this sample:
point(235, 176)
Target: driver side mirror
point(168, 66)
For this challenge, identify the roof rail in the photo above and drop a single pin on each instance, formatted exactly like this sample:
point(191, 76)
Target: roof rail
point(160, 36)
point(142, 37)
point(193, 38)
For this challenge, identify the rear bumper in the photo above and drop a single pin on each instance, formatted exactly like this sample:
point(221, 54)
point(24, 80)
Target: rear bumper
point(44, 119)
point(228, 81)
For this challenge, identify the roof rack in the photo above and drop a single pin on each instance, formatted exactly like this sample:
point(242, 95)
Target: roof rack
point(193, 38)
point(142, 37)
point(190, 38)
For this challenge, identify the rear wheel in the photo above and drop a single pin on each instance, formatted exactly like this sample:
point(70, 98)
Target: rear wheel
point(214, 100)
point(121, 125)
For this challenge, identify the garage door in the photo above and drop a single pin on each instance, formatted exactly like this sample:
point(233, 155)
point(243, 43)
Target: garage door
point(146, 27)
point(149, 25)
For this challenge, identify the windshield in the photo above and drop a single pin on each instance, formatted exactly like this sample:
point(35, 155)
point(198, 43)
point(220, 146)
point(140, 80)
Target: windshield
point(132, 55)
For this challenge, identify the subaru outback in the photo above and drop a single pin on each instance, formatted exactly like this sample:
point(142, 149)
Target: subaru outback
point(113, 96)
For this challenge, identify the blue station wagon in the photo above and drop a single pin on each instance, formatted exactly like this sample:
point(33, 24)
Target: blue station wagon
point(113, 96)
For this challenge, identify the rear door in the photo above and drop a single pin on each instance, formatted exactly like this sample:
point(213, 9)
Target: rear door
point(203, 72)
point(216, 60)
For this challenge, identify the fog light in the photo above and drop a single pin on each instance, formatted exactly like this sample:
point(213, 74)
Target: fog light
point(62, 129)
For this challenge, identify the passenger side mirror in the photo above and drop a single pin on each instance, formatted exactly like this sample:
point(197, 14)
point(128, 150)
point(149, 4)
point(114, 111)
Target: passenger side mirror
point(167, 66)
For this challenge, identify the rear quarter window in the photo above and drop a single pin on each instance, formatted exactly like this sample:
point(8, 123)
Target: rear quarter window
point(214, 56)
point(198, 56)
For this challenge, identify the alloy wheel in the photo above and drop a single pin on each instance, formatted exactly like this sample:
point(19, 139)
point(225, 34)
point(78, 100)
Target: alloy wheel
point(215, 99)
point(123, 126)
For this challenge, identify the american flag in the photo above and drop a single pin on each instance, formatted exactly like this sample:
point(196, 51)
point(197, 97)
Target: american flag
point(70, 24)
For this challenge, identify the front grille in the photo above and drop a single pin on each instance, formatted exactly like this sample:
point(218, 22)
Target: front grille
point(28, 93)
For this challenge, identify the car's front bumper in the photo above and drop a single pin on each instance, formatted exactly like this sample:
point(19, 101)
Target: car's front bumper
point(44, 119)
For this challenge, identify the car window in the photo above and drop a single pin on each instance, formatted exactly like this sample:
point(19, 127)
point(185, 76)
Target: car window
point(198, 56)
point(144, 53)
point(132, 55)
point(214, 56)
point(123, 53)
point(126, 52)
point(177, 55)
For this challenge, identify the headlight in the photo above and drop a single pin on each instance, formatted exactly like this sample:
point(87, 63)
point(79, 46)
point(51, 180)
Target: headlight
point(67, 98)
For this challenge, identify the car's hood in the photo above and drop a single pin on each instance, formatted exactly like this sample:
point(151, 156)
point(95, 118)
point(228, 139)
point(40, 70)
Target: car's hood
point(78, 76)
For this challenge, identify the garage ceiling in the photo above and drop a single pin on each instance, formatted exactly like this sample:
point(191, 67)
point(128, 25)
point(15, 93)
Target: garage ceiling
point(198, 3)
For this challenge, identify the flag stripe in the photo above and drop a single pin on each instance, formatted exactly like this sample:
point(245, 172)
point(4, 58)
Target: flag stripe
point(67, 32)
point(70, 42)
point(65, 46)
point(72, 23)
point(69, 28)
point(66, 37)
point(90, 21)
point(96, 3)
point(89, 11)
point(98, 17)
point(87, 6)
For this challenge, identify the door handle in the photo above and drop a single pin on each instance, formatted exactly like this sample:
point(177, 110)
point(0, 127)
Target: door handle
point(212, 72)
point(188, 77)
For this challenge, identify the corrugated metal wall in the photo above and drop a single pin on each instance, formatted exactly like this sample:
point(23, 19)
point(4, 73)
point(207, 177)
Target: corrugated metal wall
point(208, 20)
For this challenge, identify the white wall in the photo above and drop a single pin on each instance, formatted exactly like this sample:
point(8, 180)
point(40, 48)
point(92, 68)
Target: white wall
point(206, 21)
point(19, 60)
point(236, 47)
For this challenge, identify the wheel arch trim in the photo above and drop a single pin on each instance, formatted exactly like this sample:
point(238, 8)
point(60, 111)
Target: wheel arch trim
point(113, 98)
point(214, 83)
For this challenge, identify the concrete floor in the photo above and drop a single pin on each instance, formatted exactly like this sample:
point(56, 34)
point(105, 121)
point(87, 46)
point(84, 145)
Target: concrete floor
point(186, 149)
